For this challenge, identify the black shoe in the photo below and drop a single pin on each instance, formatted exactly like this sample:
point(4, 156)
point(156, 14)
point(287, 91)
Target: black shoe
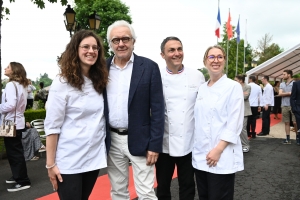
point(262, 134)
point(10, 180)
point(18, 187)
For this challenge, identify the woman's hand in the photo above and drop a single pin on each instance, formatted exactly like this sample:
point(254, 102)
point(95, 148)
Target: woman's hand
point(54, 175)
point(213, 157)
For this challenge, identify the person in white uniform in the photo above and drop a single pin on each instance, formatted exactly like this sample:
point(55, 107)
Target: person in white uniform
point(267, 101)
point(75, 123)
point(219, 114)
point(180, 86)
point(254, 99)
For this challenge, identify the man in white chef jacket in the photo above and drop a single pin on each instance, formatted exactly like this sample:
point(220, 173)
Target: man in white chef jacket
point(180, 86)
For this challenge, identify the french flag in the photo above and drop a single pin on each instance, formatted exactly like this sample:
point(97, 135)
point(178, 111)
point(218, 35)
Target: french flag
point(218, 24)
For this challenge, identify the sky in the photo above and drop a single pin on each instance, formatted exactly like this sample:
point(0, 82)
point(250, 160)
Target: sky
point(35, 37)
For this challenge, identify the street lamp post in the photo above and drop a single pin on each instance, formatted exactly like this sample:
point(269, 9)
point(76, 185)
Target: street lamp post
point(245, 66)
point(70, 22)
point(72, 25)
point(94, 21)
point(253, 63)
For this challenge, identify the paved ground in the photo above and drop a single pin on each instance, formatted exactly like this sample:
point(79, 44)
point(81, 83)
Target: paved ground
point(271, 172)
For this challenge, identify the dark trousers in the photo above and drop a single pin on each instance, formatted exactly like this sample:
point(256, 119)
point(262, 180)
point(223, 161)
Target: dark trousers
point(266, 120)
point(165, 166)
point(251, 124)
point(29, 104)
point(16, 159)
point(297, 116)
point(214, 186)
point(77, 186)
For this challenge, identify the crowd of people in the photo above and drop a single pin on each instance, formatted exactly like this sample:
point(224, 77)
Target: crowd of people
point(106, 112)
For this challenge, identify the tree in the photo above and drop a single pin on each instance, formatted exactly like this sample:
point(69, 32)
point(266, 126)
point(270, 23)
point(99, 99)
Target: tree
point(265, 50)
point(43, 78)
point(109, 12)
point(232, 44)
point(205, 73)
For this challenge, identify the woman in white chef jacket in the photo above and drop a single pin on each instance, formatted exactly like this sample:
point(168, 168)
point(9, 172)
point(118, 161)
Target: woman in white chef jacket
point(75, 123)
point(219, 114)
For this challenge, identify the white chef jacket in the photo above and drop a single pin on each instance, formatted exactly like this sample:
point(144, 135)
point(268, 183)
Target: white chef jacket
point(255, 95)
point(219, 115)
point(180, 92)
point(267, 96)
point(78, 117)
point(8, 104)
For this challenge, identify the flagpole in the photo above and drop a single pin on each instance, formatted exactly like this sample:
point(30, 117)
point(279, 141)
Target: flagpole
point(245, 45)
point(227, 49)
point(237, 51)
point(218, 13)
point(227, 58)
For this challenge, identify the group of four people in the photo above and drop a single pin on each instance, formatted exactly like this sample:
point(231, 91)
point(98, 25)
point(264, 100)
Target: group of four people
point(143, 114)
point(103, 113)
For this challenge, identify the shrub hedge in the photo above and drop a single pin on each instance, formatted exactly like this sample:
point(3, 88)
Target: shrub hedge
point(34, 114)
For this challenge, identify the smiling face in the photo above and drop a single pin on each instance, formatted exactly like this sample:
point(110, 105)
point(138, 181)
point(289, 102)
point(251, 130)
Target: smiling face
point(215, 66)
point(88, 56)
point(8, 71)
point(173, 54)
point(122, 50)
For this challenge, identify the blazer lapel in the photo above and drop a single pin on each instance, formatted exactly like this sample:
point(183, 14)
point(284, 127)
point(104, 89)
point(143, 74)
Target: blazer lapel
point(137, 72)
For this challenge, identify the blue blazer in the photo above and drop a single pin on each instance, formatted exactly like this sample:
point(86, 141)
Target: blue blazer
point(145, 107)
point(295, 98)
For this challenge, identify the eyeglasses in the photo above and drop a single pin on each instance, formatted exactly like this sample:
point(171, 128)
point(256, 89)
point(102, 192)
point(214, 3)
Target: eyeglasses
point(87, 47)
point(212, 58)
point(124, 40)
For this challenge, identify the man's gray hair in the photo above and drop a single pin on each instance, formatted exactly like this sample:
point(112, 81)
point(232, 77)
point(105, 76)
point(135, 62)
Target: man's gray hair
point(118, 24)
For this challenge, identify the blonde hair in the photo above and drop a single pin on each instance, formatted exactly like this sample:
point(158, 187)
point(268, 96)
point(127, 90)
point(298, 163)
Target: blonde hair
point(211, 47)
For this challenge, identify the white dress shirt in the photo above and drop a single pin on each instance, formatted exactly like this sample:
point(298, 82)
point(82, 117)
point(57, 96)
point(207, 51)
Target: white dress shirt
point(118, 92)
point(219, 115)
point(267, 96)
point(78, 117)
point(255, 95)
point(8, 104)
point(180, 92)
point(30, 89)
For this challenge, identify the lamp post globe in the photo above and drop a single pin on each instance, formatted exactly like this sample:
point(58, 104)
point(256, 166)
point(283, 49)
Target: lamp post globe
point(69, 19)
point(94, 21)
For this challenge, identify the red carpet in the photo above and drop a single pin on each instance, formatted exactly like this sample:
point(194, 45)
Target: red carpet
point(273, 122)
point(101, 190)
point(102, 187)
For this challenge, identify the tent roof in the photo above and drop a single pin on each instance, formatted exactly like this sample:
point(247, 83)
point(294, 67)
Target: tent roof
point(273, 67)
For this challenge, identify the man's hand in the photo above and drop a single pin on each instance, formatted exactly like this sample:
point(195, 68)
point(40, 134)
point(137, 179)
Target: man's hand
point(151, 158)
point(266, 107)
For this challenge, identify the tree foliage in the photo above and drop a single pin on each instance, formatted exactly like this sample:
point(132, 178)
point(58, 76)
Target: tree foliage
point(265, 50)
point(43, 78)
point(109, 12)
point(205, 73)
point(232, 53)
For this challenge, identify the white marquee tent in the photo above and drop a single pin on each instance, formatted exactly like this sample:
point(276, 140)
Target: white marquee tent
point(273, 67)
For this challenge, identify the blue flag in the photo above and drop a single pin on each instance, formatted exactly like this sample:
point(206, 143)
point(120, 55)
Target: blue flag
point(238, 32)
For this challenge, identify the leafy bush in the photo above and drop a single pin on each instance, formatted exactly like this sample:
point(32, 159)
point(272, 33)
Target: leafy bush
point(31, 114)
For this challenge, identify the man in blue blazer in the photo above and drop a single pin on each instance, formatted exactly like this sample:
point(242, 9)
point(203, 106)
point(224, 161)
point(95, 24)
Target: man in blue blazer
point(295, 104)
point(136, 115)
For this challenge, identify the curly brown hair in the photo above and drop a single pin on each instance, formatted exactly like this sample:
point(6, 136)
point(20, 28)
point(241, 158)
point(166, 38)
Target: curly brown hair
point(70, 68)
point(18, 74)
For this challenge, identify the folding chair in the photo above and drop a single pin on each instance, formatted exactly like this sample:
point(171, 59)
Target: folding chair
point(38, 124)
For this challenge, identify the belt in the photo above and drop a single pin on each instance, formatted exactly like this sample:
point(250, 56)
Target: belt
point(119, 131)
